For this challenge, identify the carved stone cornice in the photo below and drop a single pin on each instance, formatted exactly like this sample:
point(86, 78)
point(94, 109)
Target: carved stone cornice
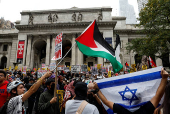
point(129, 31)
point(6, 40)
point(71, 10)
point(118, 18)
point(4, 52)
point(11, 35)
point(65, 25)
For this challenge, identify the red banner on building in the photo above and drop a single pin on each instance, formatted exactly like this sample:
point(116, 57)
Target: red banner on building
point(20, 51)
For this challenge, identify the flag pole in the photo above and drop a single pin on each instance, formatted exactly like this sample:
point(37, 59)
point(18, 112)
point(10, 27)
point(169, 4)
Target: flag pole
point(64, 57)
point(56, 82)
point(55, 88)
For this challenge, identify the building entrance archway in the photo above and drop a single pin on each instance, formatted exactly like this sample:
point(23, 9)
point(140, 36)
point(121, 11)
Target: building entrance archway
point(39, 53)
point(66, 45)
point(3, 62)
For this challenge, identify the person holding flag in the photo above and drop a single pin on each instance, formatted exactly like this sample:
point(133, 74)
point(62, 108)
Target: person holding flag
point(147, 108)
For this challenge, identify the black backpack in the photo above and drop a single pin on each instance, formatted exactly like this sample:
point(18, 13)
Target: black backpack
point(3, 109)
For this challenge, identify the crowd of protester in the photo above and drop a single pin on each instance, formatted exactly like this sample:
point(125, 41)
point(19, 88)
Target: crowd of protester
point(16, 87)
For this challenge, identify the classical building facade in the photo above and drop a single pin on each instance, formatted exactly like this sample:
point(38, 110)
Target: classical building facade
point(38, 30)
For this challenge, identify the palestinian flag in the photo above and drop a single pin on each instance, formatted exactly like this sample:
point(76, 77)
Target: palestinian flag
point(117, 48)
point(92, 43)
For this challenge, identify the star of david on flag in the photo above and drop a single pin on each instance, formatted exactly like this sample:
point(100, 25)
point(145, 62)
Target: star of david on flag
point(132, 91)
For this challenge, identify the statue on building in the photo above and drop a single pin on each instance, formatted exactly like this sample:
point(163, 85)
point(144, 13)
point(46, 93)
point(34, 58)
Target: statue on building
point(80, 17)
point(50, 18)
point(55, 17)
point(100, 17)
point(30, 22)
point(74, 17)
point(144, 63)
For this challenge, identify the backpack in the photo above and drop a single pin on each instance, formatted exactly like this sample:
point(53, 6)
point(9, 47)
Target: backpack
point(3, 109)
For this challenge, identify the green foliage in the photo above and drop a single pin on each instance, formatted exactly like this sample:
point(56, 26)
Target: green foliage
point(155, 23)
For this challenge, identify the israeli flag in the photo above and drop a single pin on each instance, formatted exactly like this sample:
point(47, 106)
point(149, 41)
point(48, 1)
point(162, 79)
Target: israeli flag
point(131, 90)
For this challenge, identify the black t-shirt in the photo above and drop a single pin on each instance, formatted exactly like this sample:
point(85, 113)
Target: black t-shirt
point(147, 108)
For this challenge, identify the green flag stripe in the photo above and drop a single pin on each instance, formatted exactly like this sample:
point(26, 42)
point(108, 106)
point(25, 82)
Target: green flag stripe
point(117, 66)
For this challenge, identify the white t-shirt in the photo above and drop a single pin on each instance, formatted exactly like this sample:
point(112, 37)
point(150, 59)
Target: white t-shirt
point(73, 105)
point(15, 105)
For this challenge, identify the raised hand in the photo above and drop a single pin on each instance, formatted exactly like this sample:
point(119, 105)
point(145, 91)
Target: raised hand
point(164, 74)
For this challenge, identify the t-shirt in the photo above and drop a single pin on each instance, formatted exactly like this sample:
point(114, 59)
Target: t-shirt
point(15, 105)
point(3, 93)
point(73, 105)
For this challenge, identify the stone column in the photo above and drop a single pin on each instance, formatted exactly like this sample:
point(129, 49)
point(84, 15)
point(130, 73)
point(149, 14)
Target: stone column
point(28, 60)
point(99, 60)
point(79, 57)
point(1, 47)
point(9, 55)
point(13, 54)
point(47, 60)
point(158, 61)
point(32, 58)
point(73, 51)
point(53, 49)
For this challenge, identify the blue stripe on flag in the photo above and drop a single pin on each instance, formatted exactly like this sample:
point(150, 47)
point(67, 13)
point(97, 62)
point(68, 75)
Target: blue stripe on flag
point(109, 111)
point(130, 80)
point(132, 106)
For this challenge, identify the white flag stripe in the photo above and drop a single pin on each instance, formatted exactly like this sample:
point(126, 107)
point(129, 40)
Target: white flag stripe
point(101, 48)
point(117, 53)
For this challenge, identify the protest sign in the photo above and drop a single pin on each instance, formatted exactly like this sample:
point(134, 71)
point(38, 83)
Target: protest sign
point(66, 69)
point(24, 69)
point(75, 68)
point(109, 74)
point(60, 98)
point(60, 67)
point(99, 66)
point(88, 68)
point(41, 73)
point(58, 47)
point(16, 68)
point(103, 69)
point(52, 66)
point(43, 65)
point(9, 67)
point(94, 70)
point(110, 68)
point(83, 68)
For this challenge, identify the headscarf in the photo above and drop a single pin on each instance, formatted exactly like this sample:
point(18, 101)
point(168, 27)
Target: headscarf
point(70, 88)
point(81, 91)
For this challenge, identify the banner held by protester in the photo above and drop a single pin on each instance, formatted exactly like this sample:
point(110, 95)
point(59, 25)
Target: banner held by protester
point(58, 47)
